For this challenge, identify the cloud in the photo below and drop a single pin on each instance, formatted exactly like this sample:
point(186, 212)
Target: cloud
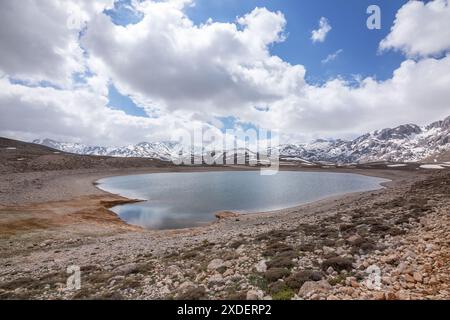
point(188, 75)
point(167, 61)
point(320, 34)
point(332, 56)
point(38, 41)
point(420, 29)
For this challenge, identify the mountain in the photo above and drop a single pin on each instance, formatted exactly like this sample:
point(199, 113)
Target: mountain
point(158, 150)
point(404, 143)
point(401, 144)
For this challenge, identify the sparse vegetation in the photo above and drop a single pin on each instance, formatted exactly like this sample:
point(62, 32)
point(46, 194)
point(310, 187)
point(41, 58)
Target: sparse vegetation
point(338, 264)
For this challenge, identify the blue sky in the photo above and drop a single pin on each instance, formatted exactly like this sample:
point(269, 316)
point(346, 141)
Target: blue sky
point(356, 44)
point(191, 64)
point(349, 33)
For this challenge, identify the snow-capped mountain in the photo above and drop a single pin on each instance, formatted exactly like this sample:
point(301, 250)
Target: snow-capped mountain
point(404, 143)
point(158, 150)
point(401, 144)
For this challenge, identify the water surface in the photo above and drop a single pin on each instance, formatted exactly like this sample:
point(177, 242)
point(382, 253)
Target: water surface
point(180, 200)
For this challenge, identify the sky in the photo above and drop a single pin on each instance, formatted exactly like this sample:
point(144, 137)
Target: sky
point(121, 72)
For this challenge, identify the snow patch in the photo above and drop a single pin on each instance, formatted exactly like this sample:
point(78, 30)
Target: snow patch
point(431, 166)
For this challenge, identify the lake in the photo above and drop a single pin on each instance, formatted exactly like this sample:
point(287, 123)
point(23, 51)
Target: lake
point(181, 200)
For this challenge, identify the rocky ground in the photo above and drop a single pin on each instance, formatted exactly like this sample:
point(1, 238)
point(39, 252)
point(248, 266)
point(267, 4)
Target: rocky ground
point(388, 244)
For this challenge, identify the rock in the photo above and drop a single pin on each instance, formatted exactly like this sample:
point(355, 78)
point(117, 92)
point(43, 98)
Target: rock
point(228, 273)
point(173, 271)
point(418, 277)
point(310, 287)
point(126, 269)
point(391, 296)
point(402, 267)
point(226, 215)
point(330, 270)
point(185, 286)
point(261, 266)
point(409, 278)
point(379, 296)
point(255, 295)
point(240, 250)
point(46, 243)
point(391, 259)
point(328, 250)
point(354, 239)
point(215, 279)
point(215, 264)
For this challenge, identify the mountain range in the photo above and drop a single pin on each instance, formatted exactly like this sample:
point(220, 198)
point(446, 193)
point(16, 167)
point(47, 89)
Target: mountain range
point(405, 143)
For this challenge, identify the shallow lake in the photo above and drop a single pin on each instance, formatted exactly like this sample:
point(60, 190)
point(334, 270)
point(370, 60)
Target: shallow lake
point(181, 200)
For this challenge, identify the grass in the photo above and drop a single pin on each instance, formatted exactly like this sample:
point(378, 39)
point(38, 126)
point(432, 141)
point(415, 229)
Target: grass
point(259, 282)
point(285, 294)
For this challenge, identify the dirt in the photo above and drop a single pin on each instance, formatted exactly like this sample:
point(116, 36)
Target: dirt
point(53, 217)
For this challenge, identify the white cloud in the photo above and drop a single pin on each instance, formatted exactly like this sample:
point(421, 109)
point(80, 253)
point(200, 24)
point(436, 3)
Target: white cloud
point(37, 43)
point(320, 34)
point(167, 61)
point(188, 75)
point(420, 29)
point(332, 56)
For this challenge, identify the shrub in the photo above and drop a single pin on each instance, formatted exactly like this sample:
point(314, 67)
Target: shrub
point(307, 247)
point(275, 248)
point(285, 294)
point(236, 244)
point(193, 293)
point(259, 282)
point(274, 274)
point(296, 280)
point(338, 264)
point(339, 279)
point(280, 262)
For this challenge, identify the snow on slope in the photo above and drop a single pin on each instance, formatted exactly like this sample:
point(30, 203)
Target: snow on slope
point(401, 144)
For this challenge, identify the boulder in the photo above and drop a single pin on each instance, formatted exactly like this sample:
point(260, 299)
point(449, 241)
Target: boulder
point(255, 295)
point(311, 287)
point(215, 264)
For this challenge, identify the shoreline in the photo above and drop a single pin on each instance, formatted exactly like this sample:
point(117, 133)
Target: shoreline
point(75, 227)
point(236, 214)
point(69, 189)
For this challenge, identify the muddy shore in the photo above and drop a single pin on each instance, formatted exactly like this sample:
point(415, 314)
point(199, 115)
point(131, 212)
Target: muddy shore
point(54, 219)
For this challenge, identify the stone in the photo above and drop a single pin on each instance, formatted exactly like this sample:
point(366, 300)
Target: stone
point(173, 271)
point(379, 296)
point(328, 250)
point(418, 277)
point(310, 287)
point(215, 279)
point(240, 250)
point(255, 295)
point(226, 215)
point(261, 266)
point(46, 243)
point(126, 268)
point(185, 285)
point(215, 264)
point(228, 272)
point(409, 278)
point(354, 239)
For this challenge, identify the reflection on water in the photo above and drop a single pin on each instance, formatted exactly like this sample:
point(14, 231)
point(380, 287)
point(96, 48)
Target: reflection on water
point(180, 200)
